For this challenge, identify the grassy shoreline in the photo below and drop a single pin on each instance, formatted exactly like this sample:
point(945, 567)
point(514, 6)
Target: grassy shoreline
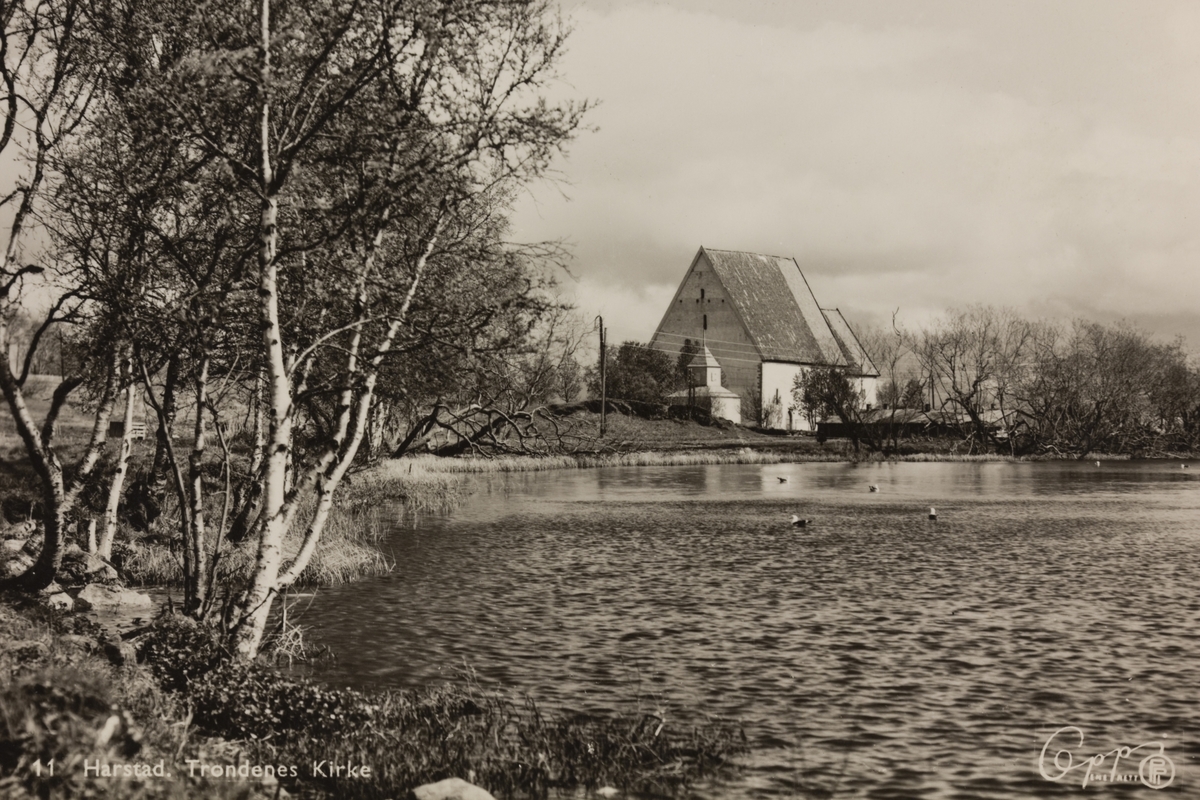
point(428, 465)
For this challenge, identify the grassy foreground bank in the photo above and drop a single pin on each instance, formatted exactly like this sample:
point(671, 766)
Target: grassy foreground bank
point(183, 721)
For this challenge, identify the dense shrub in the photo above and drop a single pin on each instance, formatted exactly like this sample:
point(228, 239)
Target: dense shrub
point(240, 700)
point(252, 701)
point(636, 373)
point(61, 704)
point(59, 717)
point(60, 700)
point(180, 651)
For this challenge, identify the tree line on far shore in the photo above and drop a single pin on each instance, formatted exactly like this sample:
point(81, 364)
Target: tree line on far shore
point(1007, 384)
point(985, 375)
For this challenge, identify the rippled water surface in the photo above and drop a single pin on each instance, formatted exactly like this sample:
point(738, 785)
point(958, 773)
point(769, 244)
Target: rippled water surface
point(873, 654)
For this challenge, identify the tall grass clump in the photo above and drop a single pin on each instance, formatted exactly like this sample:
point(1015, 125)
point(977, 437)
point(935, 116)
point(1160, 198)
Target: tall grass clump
point(970, 458)
point(422, 483)
point(345, 553)
point(348, 549)
point(922, 458)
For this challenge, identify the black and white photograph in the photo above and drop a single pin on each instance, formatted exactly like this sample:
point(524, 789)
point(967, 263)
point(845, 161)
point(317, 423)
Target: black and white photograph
point(531, 399)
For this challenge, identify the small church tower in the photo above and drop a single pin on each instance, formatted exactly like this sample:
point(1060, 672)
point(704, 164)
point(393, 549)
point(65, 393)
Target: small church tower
point(704, 375)
point(703, 370)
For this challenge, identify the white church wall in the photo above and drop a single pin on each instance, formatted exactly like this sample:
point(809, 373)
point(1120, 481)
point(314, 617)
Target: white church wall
point(777, 381)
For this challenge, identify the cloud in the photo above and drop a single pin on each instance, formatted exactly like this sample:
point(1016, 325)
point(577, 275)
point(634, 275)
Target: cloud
point(628, 312)
point(925, 159)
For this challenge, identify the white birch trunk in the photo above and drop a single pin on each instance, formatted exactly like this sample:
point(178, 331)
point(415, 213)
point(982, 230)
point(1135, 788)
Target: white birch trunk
point(117, 487)
point(196, 579)
point(256, 604)
point(330, 481)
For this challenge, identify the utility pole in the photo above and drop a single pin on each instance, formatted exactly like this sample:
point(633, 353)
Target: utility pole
point(603, 383)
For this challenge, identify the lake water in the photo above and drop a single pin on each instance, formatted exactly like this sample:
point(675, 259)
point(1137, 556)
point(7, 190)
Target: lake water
point(873, 654)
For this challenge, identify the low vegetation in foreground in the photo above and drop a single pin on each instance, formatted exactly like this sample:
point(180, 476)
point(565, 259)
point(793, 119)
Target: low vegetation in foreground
point(191, 709)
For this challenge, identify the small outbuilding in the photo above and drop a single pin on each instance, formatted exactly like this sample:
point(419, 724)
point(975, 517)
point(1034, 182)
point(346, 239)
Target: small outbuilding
point(705, 391)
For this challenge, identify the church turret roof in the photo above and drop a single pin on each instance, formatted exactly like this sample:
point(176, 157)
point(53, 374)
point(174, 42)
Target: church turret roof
point(703, 359)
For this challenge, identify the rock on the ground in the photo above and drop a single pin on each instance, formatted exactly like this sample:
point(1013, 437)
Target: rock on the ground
point(120, 653)
point(22, 530)
point(18, 564)
point(96, 566)
point(29, 650)
point(78, 641)
point(450, 789)
point(12, 545)
point(95, 595)
point(83, 567)
point(60, 600)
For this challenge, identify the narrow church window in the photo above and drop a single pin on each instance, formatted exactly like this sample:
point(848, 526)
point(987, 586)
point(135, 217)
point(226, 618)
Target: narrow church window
point(701, 294)
point(706, 322)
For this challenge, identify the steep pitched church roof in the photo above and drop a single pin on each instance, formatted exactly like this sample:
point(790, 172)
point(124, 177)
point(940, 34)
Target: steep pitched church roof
point(777, 307)
point(852, 350)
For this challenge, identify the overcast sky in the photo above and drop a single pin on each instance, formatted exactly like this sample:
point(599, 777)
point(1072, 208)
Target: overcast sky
point(910, 155)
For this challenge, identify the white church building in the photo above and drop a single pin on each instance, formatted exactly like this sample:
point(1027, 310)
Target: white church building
point(760, 321)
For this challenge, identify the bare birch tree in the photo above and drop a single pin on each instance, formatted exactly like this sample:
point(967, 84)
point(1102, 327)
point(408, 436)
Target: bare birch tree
point(370, 135)
point(972, 358)
point(50, 78)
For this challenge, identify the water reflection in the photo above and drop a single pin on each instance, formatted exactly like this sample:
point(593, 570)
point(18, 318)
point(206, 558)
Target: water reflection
point(875, 653)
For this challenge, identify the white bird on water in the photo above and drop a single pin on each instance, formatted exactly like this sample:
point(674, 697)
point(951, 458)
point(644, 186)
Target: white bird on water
point(799, 523)
point(932, 512)
point(1097, 463)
